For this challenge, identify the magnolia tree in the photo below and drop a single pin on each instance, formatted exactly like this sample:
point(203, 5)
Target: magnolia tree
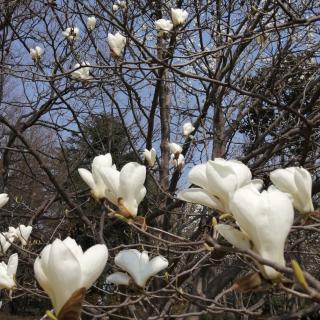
point(159, 159)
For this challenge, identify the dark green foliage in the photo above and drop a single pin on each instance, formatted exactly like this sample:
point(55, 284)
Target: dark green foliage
point(101, 134)
point(286, 81)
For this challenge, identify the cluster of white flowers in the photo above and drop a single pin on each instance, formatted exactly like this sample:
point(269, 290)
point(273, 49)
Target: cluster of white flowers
point(62, 268)
point(264, 218)
point(178, 18)
point(116, 42)
point(263, 221)
point(176, 158)
point(119, 4)
point(6, 270)
point(21, 233)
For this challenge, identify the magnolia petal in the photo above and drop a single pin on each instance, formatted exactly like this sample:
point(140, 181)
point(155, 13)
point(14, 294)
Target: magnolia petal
point(132, 177)
point(4, 244)
point(4, 198)
point(267, 218)
point(74, 248)
point(119, 278)
point(44, 257)
point(12, 264)
point(283, 179)
point(87, 177)
point(40, 270)
point(237, 238)
point(298, 183)
point(92, 264)
point(6, 280)
point(157, 264)
point(200, 196)
point(102, 161)
point(111, 179)
point(226, 177)
point(257, 184)
point(303, 181)
point(64, 283)
point(242, 172)
point(128, 260)
point(198, 176)
point(140, 196)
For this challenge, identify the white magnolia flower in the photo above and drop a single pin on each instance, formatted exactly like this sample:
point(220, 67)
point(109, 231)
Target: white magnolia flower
point(8, 272)
point(266, 219)
point(23, 233)
point(139, 267)
point(63, 268)
point(175, 148)
point(236, 237)
point(115, 7)
point(218, 180)
point(81, 72)
point(116, 43)
point(178, 16)
point(188, 128)
point(91, 23)
point(178, 162)
point(119, 278)
point(163, 26)
point(71, 33)
point(125, 189)
point(297, 182)
point(3, 199)
point(4, 243)
point(150, 156)
point(94, 180)
point(36, 53)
